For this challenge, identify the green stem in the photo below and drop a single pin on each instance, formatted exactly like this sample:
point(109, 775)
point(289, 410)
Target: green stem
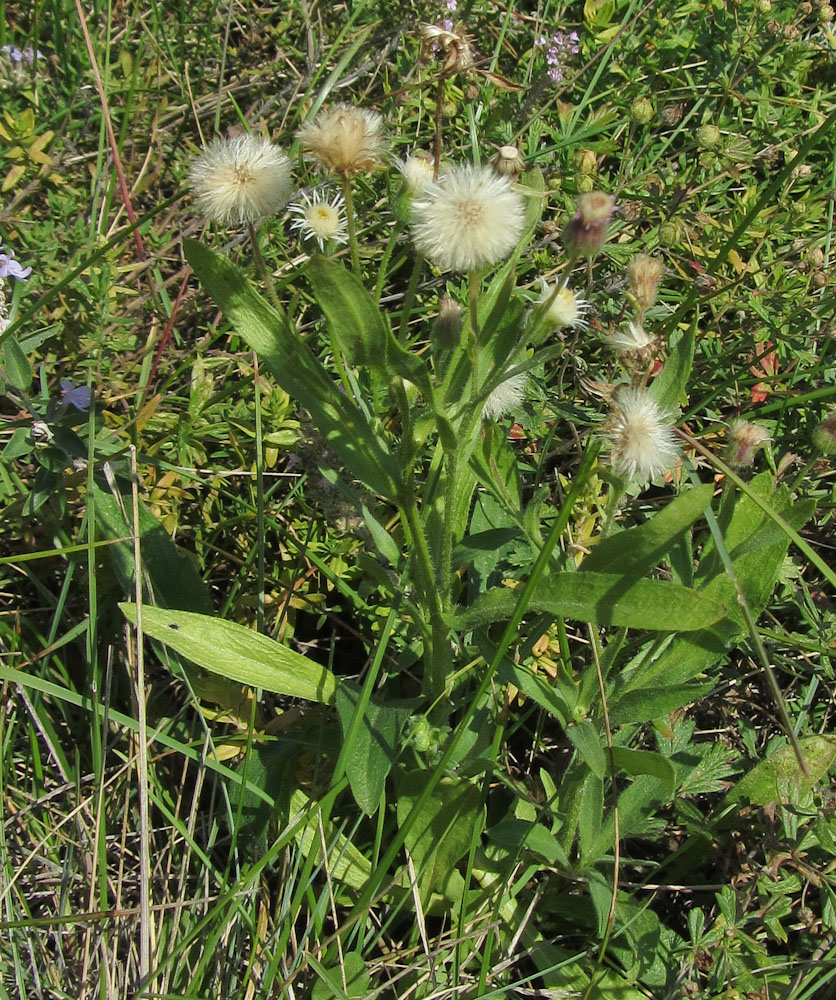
point(751, 627)
point(435, 674)
point(259, 497)
point(348, 194)
point(265, 274)
point(384, 262)
point(409, 298)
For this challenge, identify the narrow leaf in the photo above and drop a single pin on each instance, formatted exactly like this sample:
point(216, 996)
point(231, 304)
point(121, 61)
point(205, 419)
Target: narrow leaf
point(636, 551)
point(233, 651)
point(604, 599)
point(297, 370)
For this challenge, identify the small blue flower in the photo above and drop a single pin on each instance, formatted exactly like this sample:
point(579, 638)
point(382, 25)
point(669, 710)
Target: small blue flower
point(74, 395)
point(9, 267)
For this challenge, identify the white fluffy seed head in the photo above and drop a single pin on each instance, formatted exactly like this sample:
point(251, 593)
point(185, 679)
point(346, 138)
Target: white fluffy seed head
point(565, 309)
point(641, 438)
point(417, 173)
point(632, 338)
point(240, 180)
point(346, 139)
point(469, 219)
point(506, 397)
point(320, 219)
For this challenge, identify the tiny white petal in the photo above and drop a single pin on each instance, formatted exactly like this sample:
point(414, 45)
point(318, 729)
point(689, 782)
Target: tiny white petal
point(565, 309)
point(320, 219)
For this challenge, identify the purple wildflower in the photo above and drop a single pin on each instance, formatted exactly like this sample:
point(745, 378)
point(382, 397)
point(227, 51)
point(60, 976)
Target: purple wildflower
point(558, 47)
point(9, 268)
point(18, 56)
point(74, 395)
point(447, 23)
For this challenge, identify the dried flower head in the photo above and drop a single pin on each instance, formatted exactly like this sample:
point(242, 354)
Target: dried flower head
point(319, 219)
point(585, 233)
point(643, 276)
point(641, 437)
point(633, 344)
point(346, 139)
point(742, 441)
point(455, 48)
point(506, 397)
point(417, 172)
point(240, 180)
point(565, 309)
point(507, 162)
point(470, 218)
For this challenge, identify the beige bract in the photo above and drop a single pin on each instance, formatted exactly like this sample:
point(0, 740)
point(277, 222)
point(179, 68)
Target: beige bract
point(641, 438)
point(240, 180)
point(346, 139)
point(469, 219)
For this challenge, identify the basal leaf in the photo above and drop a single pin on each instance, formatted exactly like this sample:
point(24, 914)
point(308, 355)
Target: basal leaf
point(773, 779)
point(233, 651)
point(638, 550)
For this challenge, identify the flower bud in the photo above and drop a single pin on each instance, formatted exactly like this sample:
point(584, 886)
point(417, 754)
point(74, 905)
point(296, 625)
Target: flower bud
point(671, 114)
point(448, 324)
point(585, 161)
point(643, 276)
point(708, 137)
point(641, 111)
point(825, 12)
point(586, 184)
point(824, 436)
point(586, 232)
point(742, 441)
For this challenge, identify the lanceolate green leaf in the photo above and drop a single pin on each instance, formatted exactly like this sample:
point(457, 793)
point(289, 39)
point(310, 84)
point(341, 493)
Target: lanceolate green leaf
point(670, 385)
point(233, 651)
point(778, 777)
point(604, 599)
point(297, 370)
point(358, 328)
point(638, 550)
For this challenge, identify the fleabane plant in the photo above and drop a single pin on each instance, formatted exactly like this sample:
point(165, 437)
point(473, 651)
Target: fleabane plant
point(410, 400)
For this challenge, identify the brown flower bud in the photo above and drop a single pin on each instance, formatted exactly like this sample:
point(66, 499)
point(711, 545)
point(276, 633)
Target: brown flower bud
point(824, 436)
point(586, 232)
point(448, 324)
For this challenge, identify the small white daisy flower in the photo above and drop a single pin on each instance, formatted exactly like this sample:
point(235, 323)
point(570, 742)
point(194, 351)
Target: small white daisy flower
point(319, 219)
point(641, 437)
point(240, 180)
point(506, 397)
point(468, 219)
point(565, 309)
point(346, 139)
